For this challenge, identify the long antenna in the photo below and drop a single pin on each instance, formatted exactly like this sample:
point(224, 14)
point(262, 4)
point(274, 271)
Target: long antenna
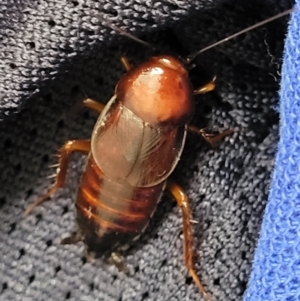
point(194, 55)
point(123, 32)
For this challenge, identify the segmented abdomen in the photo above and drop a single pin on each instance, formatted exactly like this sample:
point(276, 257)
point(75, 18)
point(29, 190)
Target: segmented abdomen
point(109, 213)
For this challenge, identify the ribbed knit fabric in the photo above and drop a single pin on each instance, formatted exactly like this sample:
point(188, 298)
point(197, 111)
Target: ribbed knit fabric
point(276, 268)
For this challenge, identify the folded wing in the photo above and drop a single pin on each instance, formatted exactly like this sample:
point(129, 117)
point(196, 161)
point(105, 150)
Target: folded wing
point(127, 149)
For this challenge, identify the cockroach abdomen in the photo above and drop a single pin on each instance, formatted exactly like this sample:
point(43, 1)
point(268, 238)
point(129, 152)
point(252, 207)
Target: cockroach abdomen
point(111, 214)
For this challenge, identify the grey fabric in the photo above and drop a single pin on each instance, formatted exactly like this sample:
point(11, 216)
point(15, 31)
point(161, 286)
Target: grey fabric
point(53, 54)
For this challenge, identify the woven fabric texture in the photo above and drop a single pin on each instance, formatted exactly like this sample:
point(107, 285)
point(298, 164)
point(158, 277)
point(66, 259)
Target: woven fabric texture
point(53, 54)
point(276, 267)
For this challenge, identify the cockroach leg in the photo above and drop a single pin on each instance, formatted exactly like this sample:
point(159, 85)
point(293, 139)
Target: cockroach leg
point(206, 88)
point(97, 106)
point(119, 261)
point(125, 63)
point(182, 200)
point(211, 138)
point(73, 239)
point(94, 105)
point(67, 149)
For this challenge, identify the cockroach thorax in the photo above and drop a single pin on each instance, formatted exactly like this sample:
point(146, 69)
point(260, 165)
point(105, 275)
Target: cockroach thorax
point(158, 91)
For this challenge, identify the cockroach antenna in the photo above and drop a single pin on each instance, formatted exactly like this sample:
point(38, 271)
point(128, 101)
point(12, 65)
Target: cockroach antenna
point(123, 32)
point(194, 55)
point(191, 57)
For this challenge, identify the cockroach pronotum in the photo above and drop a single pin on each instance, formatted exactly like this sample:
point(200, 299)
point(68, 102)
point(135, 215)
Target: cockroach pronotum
point(135, 145)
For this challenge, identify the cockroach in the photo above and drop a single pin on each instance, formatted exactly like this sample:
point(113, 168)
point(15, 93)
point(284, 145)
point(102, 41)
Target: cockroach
point(135, 145)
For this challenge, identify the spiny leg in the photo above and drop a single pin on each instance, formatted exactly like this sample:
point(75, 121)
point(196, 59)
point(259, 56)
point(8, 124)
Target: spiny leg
point(119, 261)
point(182, 200)
point(97, 106)
point(67, 149)
point(94, 105)
point(125, 63)
point(72, 239)
point(206, 88)
point(211, 138)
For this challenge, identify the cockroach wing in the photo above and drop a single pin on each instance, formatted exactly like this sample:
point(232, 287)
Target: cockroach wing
point(131, 151)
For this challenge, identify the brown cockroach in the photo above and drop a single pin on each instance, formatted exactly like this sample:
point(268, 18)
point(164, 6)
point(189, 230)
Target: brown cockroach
point(135, 145)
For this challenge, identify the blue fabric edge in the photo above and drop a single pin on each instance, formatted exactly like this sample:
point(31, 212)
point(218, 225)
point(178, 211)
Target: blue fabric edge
point(276, 268)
